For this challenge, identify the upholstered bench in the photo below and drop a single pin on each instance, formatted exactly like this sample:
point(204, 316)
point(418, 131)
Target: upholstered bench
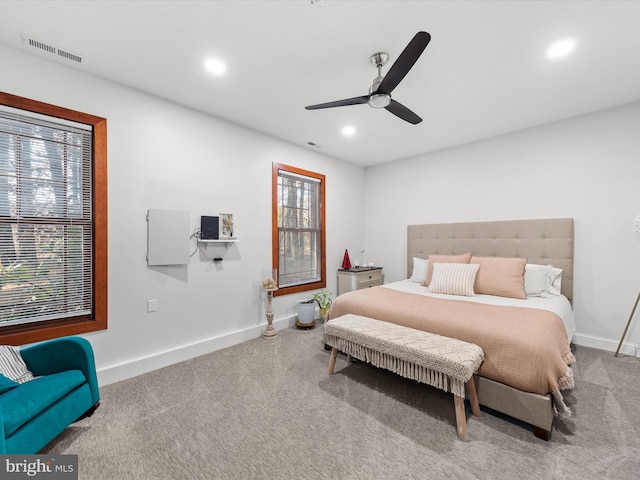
point(442, 362)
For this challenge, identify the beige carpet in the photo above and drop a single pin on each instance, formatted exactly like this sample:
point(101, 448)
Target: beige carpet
point(266, 409)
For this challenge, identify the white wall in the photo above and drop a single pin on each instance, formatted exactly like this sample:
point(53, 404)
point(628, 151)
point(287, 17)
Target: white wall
point(587, 168)
point(163, 156)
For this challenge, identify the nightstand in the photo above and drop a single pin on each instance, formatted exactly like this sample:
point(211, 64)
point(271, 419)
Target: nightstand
point(350, 279)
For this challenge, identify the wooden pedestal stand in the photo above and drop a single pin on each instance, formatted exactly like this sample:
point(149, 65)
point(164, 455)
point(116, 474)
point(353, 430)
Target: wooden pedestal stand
point(270, 331)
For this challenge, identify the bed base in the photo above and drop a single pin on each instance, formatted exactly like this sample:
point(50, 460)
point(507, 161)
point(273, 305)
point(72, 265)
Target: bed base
point(530, 408)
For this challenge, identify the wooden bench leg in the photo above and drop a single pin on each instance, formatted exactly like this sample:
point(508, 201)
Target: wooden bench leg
point(332, 360)
point(461, 418)
point(473, 397)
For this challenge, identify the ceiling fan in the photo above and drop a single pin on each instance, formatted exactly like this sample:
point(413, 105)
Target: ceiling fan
point(380, 92)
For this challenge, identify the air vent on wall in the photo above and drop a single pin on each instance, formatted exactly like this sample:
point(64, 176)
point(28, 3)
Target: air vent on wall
point(314, 145)
point(46, 47)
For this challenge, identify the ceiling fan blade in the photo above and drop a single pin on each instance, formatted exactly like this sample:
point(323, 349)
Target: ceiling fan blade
point(340, 103)
point(405, 61)
point(403, 112)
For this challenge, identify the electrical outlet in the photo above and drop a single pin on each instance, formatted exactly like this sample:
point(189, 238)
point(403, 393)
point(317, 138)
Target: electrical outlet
point(152, 306)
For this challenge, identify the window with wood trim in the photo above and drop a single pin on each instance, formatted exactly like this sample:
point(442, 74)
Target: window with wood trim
point(53, 221)
point(298, 229)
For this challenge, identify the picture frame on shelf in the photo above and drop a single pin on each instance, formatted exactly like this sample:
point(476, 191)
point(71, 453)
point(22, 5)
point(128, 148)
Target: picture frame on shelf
point(226, 225)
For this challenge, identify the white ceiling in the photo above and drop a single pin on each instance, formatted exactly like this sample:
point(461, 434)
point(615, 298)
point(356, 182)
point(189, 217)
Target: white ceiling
point(483, 74)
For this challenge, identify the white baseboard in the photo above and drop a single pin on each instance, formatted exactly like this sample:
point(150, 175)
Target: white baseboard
point(138, 366)
point(607, 344)
point(142, 365)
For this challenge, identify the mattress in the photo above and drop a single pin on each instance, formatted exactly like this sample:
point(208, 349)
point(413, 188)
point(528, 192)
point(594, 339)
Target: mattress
point(558, 304)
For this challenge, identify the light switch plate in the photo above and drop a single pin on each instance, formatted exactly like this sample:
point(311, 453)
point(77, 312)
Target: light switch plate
point(152, 306)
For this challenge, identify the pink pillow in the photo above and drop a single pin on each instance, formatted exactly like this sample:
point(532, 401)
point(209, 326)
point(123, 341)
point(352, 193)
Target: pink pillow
point(444, 259)
point(503, 277)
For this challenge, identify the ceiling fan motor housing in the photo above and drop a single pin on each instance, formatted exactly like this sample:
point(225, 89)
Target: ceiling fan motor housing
point(378, 100)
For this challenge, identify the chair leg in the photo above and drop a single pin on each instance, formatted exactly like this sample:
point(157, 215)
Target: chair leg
point(89, 412)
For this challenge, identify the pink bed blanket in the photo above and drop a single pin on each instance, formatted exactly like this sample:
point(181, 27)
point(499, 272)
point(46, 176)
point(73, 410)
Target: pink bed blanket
point(525, 348)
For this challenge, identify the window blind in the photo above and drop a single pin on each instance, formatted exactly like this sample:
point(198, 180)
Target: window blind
point(45, 218)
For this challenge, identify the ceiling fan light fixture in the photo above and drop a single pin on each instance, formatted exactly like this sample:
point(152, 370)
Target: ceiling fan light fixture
point(379, 100)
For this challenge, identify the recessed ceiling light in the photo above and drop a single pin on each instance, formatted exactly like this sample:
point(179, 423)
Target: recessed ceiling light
point(349, 130)
point(215, 66)
point(561, 48)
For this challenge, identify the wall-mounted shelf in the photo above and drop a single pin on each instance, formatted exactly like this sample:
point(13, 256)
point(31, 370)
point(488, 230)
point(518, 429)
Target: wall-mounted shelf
point(221, 240)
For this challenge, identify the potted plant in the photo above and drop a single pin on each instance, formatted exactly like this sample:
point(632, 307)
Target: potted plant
point(306, 313)
point(323, 299)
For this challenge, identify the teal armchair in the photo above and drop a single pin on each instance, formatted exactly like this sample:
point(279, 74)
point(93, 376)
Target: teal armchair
point(34, 413)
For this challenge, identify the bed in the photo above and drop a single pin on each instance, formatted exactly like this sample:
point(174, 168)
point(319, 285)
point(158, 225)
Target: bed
point(526, 340)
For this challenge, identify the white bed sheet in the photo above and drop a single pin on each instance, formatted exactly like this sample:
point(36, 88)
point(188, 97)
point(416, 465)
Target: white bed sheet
point(558, 304)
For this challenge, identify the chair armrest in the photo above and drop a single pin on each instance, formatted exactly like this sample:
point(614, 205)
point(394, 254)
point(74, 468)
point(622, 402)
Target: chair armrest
point(62, 354)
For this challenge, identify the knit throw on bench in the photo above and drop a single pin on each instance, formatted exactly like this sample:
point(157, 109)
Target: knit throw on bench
point(442, 362)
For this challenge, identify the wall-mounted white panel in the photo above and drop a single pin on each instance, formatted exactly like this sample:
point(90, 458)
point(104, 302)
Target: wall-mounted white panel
point(167, 237)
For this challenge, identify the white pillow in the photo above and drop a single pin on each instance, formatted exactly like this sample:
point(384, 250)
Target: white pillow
point(12, 365)
point(454, 278)
point(419, 273)
point(555, 281)
point(541, 280)
point(536, 279)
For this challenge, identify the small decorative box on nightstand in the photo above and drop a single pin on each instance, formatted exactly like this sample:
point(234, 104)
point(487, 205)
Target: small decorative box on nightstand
point(350, 279)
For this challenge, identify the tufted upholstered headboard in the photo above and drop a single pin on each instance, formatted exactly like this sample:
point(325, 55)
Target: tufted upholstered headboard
point(547, 241)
